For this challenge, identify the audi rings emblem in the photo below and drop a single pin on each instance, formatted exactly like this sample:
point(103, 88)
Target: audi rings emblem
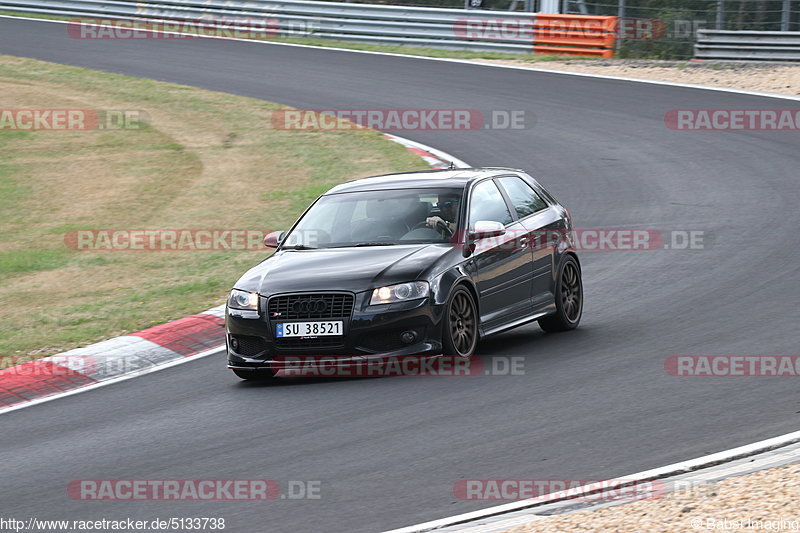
point(309, 306)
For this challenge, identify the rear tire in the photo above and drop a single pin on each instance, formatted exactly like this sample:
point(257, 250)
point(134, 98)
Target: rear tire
point(568, 297)
point(261, 376)
point(460, 328)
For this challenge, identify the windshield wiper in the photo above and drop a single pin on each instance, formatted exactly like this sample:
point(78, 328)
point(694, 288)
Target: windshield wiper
point(374, 244)
point(298, 247)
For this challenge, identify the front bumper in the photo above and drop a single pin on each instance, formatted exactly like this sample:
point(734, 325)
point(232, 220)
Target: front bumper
point(371, 332)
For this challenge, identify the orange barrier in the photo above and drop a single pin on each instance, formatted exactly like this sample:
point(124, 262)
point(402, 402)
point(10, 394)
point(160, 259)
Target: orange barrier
point(582, 35)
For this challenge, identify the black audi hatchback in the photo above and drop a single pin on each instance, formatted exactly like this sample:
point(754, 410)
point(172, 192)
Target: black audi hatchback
point(419, 263)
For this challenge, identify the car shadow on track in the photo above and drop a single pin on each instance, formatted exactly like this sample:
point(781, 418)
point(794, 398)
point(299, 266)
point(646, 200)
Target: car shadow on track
point(529, 337)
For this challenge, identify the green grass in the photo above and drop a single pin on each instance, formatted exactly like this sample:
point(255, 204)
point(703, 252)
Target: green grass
point(11, 190)
point(206, 160)
point(31, 260)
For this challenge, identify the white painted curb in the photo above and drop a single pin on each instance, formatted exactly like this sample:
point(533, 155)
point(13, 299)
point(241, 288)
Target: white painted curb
point(435, 158)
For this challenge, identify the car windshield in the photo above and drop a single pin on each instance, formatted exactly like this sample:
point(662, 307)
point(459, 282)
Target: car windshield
point(378, 218)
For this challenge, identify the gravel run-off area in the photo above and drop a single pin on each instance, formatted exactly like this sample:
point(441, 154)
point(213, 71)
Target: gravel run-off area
point(761, 77)
point(768, 500)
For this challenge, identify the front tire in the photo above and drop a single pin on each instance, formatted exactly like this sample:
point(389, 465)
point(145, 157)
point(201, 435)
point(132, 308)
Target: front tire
point(568, 297)
point(460, 331)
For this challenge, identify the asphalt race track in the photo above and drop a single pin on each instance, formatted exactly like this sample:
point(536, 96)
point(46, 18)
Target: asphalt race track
point(595, 403)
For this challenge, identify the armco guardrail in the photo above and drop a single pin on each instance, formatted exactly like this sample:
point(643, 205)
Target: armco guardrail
point(368, 23)
point(748, 45)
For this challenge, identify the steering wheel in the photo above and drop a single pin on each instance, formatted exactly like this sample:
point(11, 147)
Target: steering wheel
point(439, 225)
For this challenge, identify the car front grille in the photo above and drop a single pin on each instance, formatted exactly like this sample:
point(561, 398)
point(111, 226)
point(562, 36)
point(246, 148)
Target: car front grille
point(310, 306)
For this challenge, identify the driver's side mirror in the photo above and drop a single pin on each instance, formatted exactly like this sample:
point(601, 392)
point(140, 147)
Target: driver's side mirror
point(483, 229)
point(273, 239)
point(487, 228)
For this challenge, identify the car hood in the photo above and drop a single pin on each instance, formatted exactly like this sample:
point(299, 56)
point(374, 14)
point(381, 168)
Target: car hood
point(350, 269)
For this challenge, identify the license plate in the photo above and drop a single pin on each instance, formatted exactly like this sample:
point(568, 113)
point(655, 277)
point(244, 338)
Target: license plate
point(309, 329)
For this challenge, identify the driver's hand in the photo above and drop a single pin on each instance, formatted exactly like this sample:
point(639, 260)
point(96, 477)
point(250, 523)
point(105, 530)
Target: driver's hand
point(433, 221)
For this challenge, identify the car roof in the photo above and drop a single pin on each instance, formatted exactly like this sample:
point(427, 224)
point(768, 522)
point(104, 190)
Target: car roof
point(457, 178)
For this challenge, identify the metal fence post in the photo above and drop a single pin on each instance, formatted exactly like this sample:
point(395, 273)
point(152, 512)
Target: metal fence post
point(549, 6)
point(720, 14)
point(786, 14)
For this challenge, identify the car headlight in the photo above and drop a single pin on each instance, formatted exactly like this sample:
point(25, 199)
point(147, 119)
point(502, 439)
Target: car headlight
point(243, 300)
point(399, 293)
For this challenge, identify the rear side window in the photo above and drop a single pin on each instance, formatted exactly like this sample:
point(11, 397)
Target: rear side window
point(486, 203)
point(526, 201)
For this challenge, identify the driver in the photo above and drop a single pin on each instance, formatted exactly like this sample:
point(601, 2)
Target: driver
point(448, 207)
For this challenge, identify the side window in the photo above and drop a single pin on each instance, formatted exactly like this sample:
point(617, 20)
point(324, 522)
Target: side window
point(487, 203)
point(526, 201)
point(360, 211)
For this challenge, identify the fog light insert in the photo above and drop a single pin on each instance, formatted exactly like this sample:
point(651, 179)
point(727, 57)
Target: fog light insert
point(407, 337)
point(234, 344)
